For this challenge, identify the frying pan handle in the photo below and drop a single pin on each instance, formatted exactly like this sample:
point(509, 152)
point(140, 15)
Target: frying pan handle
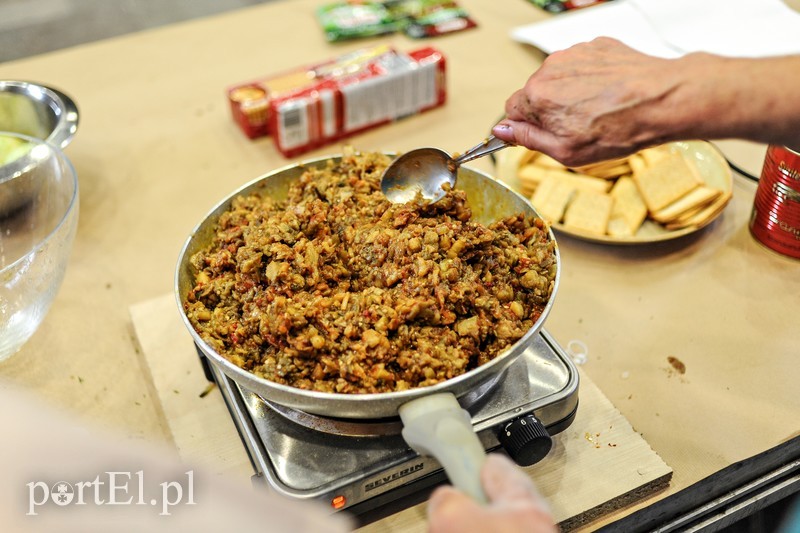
point(437, 426)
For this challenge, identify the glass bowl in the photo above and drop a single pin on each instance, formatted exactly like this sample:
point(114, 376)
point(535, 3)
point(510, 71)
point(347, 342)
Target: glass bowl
point(35, 236)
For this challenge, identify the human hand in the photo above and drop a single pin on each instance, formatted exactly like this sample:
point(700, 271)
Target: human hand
point(514, 504)
point(593, 101)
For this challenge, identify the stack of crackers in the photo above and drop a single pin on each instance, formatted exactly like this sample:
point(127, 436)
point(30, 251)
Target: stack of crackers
point(615, 198)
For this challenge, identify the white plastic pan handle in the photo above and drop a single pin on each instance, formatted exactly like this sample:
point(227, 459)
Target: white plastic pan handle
point(437, 426)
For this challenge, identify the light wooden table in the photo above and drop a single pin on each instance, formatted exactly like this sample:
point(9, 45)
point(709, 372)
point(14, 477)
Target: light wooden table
point(156, 148)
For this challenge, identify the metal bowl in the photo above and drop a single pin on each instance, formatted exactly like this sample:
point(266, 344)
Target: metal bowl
point(490, 201)
point(40, 112)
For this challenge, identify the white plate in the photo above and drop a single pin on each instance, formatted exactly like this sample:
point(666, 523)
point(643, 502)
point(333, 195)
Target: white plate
point(713, 168)
point(745, 157)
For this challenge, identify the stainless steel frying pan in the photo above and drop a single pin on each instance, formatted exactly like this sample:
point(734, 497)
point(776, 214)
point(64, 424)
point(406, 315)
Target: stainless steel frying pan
point(422, 409)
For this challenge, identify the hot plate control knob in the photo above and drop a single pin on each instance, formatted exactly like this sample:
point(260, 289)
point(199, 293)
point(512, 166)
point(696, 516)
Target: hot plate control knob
point(526, 440)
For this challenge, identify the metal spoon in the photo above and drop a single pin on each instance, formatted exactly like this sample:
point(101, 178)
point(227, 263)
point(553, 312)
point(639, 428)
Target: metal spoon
point(429, 171)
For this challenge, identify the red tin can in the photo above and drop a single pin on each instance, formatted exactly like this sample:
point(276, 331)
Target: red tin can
point(775, 220)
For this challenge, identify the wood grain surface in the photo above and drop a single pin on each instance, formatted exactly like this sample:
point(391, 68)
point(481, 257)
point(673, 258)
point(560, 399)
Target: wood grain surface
point(598, 464)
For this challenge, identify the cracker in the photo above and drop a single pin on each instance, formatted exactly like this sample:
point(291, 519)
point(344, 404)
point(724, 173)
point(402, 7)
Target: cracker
point(637, 163)
point(617, 227)
point(604, 164)
point(608, 173)
point(551, 198)
point(528, 156)
point(530, 176)
point(666, 178)
point(545, 160)
point(661, 184)
point(701, 216)
point(628, 211)
point(589, 211)
point(691, 201)
point(581, 181)
point(683, 220)
point(508, 163)
point(653, 155)
point(610, 169)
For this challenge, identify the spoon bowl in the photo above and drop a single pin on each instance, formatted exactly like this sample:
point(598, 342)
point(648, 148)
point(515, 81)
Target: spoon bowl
point(429, 172)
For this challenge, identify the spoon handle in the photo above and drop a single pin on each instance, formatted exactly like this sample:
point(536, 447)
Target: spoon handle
point(488, 146)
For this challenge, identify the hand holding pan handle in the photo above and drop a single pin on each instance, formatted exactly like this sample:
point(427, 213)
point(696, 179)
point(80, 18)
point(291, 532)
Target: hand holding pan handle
point(437, 426)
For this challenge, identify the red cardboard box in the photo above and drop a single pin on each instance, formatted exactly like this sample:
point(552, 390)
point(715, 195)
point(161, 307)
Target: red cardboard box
point(321, 104)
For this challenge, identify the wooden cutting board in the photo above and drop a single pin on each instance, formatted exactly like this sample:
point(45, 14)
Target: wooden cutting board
point(597, 465)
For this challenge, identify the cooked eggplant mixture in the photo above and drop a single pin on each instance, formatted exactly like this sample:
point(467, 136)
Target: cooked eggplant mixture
point(335, 289)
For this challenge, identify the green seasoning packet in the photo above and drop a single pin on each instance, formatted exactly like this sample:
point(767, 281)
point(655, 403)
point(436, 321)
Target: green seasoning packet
point(429, 18)
point(342, 21)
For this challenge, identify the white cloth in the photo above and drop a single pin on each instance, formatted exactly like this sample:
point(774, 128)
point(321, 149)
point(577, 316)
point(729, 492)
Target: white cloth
point(671, 28)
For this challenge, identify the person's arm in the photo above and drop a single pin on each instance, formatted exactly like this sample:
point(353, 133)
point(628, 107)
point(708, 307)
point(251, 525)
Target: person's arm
point(602, 99)
point(62, 474)
point(514, 504)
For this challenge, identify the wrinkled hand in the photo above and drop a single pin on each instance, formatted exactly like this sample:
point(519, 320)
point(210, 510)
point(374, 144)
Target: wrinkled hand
point(590, 102)
point(514, 504)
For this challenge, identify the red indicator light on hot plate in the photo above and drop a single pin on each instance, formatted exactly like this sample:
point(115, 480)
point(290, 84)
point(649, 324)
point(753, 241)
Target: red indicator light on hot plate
point(338, 502)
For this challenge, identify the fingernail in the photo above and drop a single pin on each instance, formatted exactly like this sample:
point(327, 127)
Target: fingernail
point(501, 128)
